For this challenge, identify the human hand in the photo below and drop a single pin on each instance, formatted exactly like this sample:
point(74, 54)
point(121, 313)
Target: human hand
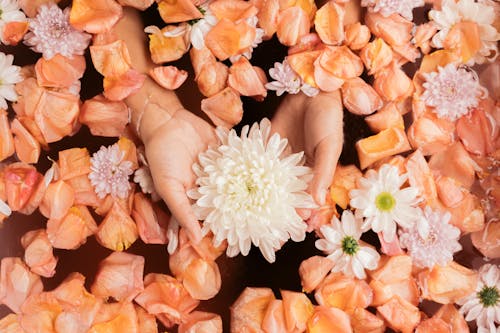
point(171, 151)
point(313, 125)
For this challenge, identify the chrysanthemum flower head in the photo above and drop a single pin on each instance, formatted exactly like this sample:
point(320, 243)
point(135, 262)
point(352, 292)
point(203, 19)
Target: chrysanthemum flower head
point(389, 7)
point(110, 172)
point(9, 76)
point(483, 305)
point(248, 191)
point(380, 199)
point(341, 242)
point(286, 80)
point(452, 91)
point(434, 246)
point(50, 33)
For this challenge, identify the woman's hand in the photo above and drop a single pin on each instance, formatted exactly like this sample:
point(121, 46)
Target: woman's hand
point(313, 125)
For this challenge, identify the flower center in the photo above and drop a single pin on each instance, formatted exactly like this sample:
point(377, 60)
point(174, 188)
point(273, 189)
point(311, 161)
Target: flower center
point(489, 296)
point(350, 245)
point(385, 201)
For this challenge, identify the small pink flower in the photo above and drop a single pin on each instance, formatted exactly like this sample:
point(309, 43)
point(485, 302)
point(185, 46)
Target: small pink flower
point(452, 91)
point(51, 33)
point(432, 240)
point(109, 172)
point(286, 80)
point(389, 7)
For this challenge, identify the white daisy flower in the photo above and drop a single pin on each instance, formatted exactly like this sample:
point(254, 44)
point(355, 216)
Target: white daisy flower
point(248, 191)
point(452, 91)
point(482, 13)
point(9, 12)
point(432, 240)
point(341, 242)
point(286, 80)
point(9, 76)
point(110, 172)
point(389, 7)
point(381, 201)
point(483, 305)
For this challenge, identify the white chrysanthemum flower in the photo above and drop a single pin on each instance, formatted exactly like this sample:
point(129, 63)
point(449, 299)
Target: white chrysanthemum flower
point(286, 80)
point(51, 33)
point(482, 13)
point(9, 12)
point(381, 201)
point(4, 208)
point(248, 191)
point(110, 172)
point(389, 7)
point(483, 305)
point(143, 177)
point(436, 245)
point(341, 242)
point(452, 91)
point(9, 76)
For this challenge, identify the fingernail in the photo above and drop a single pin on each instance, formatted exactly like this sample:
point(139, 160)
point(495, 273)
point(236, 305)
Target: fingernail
point(321, 197)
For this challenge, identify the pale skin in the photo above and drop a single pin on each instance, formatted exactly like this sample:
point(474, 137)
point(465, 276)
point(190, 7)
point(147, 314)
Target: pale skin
point(173, 137)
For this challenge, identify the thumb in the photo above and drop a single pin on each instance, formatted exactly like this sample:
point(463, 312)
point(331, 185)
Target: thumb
point(174, 194)
point(326, 156)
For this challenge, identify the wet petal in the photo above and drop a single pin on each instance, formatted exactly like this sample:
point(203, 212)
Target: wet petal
point(104, 117)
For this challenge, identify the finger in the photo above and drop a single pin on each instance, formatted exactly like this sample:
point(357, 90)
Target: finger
point(174, 194)
point(326, 156)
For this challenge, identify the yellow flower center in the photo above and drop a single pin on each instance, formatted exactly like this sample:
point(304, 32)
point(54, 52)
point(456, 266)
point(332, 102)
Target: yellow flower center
point(385, 201)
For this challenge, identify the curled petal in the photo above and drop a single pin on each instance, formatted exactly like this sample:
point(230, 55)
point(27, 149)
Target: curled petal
point(227, 38)
point(115, 317)
point(487, 240)
point(94, 16)
point(30, 7)
point(58, 199)
point(117, 231)
point(120, 87)
point(166, 49)
point(430, 134)
point(6, 139)
point(169, 77)
point(399, 314)
point(112, 59)
point(303, 63)
point(268, 15)
point(293, 23)
point(138, 4)
point(392, 269)
point(392, 84)
point(178, 11)
point(38, 253)
point(388, 116)
point(359, 97)
point(73, 162)
point(298, 310)
point(329, 23)
point(27, 148)
point(59, 71)
point(233, 10)
point(357, 36)
point(151, 220)
point(21, 182)
point(13, 32)
point(376, 55)
point(423, 36)
point(432, 325)
point(344, 180)
point(464, 39)
point(478, 130)
point(212, 78)
point(463, 168)
point(248, 80)
point(327, 319)
point(198, 321)
point(394, 29)
point(224, 108)
point(72, 230)
point(313, 270)
point(420, 176)
point(84, 191)
point(248, 311)
point(341, 62)
point(363, 321)
point(449, 314)
point(10, 324)
point(104, 117)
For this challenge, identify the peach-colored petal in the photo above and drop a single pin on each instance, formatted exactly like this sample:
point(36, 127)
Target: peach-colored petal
point(308, 42)
point(388, 116)
point(72, 230)
point(248, 311)
point(6, 139)
point(178, 11)
point(312, 272)
point(21, 181)
point(274, 319)
point(392, 248)
point(344, 180)
point(386, 143)
point(107, 203)
point(234, 10)
point(359, 97)
point(447, 284)
point(327, 319)
point(83, 190)
point(104, 117)
point(39, 313)
point(454, 162)
point(115, 318)
point(303, 64)
point(449, 314)
point(363, 321)
point(353, 11)
point(224, 108)
point(405, 53)
point(27, 148)
point(13, 32)
point(120, 275)
point(166, 298)
point(94, 16)
point(293, 23)
point(129, 150)
point(487, 240)
point(376, 55)
point(138, 4)
point(394, 29)
point(38, 254)
point(73, 162)
point(400, 315)
point(268, 15)
point(406, 289)
point(150, 219)
point(111, 60)
point(433, 325)
point(59, 71)
point(227, 38)
point(449, 191)
point(200, 58)
point(357, 36)
point(117, 231)
point(212, 78)
point(59, 197)
point(247, 79)
point(420, 176)
point(201, 322)
point(30, 7)
point(10, 324)
point(166, 49)
point(329, 23)
point(36, 196)
point(432, 61)
point(392, 84)
point(323, 214)
point(477, 132)
point(430, 134)
point(423, 36)
point(146, 322)
point(169, 77)
point(298, 310)
point(392, 269)
point(117, 88)
point(341, 62)
point(345, 293)
point(467, 215)
point(29, 94)
point(32, 127)
point(464, 39)
point(17, 283)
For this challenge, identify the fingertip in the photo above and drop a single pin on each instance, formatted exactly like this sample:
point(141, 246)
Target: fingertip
point(319, 195)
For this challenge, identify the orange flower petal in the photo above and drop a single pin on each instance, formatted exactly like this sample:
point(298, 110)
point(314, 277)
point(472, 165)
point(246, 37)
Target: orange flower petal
point(464, 39)
point(59, 71)
point(248, 311)
point(72, 230)
point(268, 15)
point(274, 319)
point(392, 84)
point(400, 315)
point(394, 29)
point(376, 55)
point(322, 215)
point(13, 32)
point(453, 318)
point(129, 150)
point(303, 64)
point(120, 87)
point(119, 276)
point(357, 36)
point(392, 269)
point(423, 36)
point(38, 253)
point(312, 272)
point(27, 148)
point(117, 231)
point(359, 97)
point(198, 321)
point(388, 116)
point(212, 78)
point(138, 4)
point(10, 324)
point(406, 289)
point(293, 23)
point(17, 283)
point(486, 240)
point(21, 181)
point(178, 11)
point(39, 313)
point(202, 279)
point(341, 62)
point(329, 23)
point(115, 318)
point(111, 59)
point(224, 108)
point(247, 79)
point(344, 180)
point(58, 199)
point(30, 7)
point(169, 77)
point(227, 38)
point(104, 117)
point(146, 321)
point(233, 10)
point(420, 177)
point(298, 310)
point(151, 220)
point(94, 16)
point(31, 126)
point(166, 49)
point(6, 139)
point(84, 191)
point(477, 131)
point(433, 325)
point(363, 321)
point(327, 319)
point(454, 162)
point(73, 162)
